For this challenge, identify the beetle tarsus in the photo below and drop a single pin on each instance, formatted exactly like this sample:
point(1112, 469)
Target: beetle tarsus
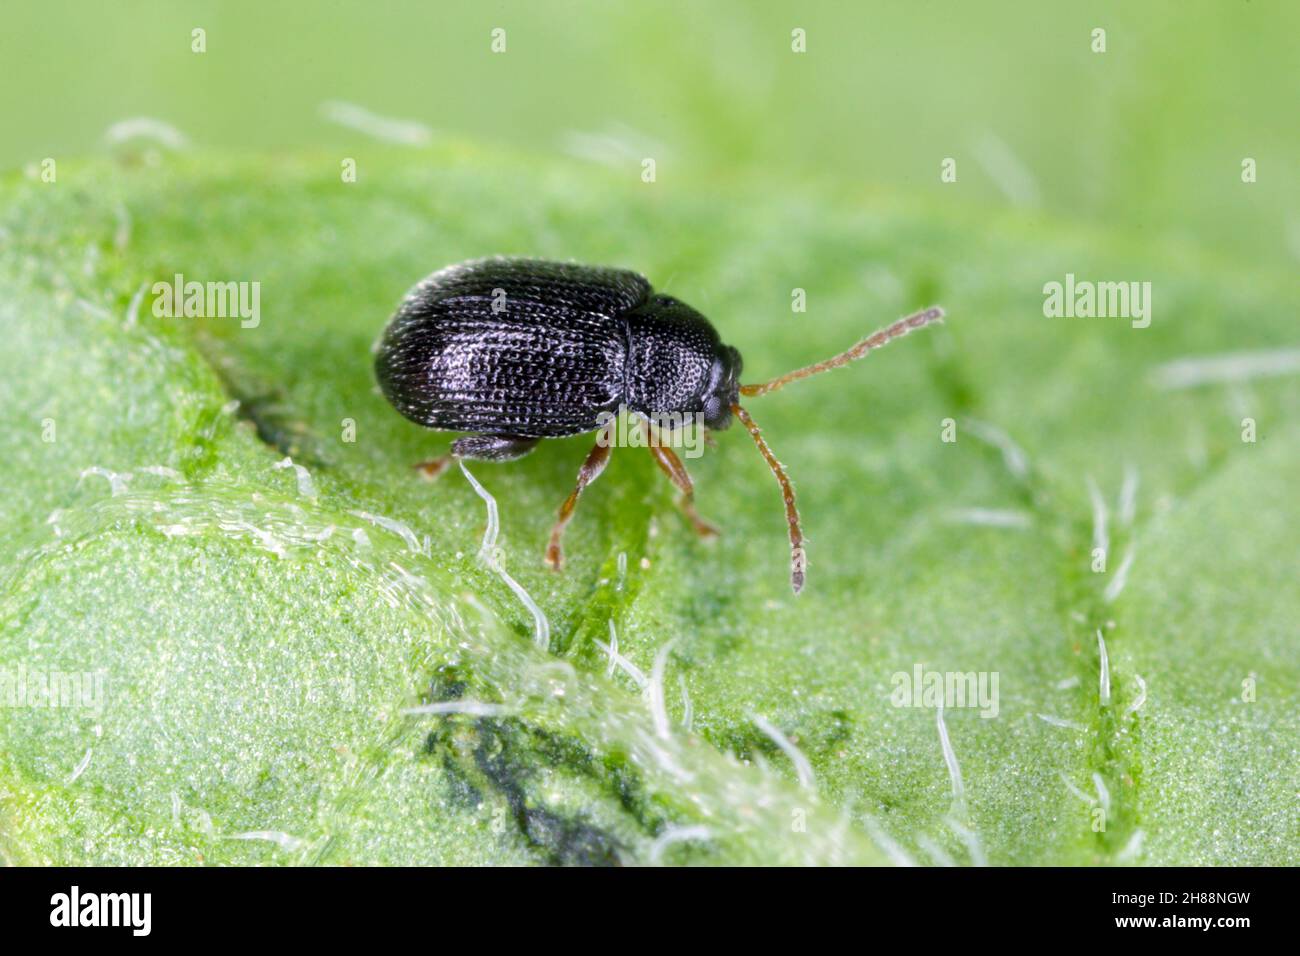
point(703, 527)
point(430, 470)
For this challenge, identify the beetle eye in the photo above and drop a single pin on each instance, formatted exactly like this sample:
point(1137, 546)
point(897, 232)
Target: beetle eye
point(717, 413)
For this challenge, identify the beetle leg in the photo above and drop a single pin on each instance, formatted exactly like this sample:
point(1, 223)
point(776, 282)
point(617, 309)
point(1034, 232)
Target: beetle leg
point(479, 448)
point(492, 447)
point(596, 461)
point(672, 467)
point(431, 469)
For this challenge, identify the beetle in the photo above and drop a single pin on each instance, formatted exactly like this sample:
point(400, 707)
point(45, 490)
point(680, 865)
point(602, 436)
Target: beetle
point(517, 350)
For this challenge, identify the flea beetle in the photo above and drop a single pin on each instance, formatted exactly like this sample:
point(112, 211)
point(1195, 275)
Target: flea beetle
point(517, 350)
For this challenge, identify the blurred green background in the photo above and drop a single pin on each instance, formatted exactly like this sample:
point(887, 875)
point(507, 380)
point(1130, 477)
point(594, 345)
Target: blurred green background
point(1147, 137)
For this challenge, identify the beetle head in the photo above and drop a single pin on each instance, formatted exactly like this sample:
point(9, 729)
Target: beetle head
point(724, 388)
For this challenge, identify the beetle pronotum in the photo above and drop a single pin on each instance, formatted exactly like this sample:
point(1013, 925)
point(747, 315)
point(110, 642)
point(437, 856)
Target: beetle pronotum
point(517, 350)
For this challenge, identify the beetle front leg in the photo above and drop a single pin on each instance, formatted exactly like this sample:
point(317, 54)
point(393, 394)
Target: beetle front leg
point(479, 448)
point(672, 467)
point(596, 461)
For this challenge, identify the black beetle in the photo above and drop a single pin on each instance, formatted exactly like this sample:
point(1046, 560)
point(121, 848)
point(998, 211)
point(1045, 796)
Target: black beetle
point(517, 350)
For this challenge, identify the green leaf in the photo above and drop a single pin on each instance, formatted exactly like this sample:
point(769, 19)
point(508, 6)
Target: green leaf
point(248, 640)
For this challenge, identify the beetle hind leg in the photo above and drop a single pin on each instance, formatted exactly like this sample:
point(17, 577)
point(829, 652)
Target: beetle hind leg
point(596, 461)
point(479, 448)
point(431, 469)
point(492, 447)
point(672, 466)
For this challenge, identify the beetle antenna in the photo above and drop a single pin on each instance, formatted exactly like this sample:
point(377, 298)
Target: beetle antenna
point(798, 562)
point(875, 340)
